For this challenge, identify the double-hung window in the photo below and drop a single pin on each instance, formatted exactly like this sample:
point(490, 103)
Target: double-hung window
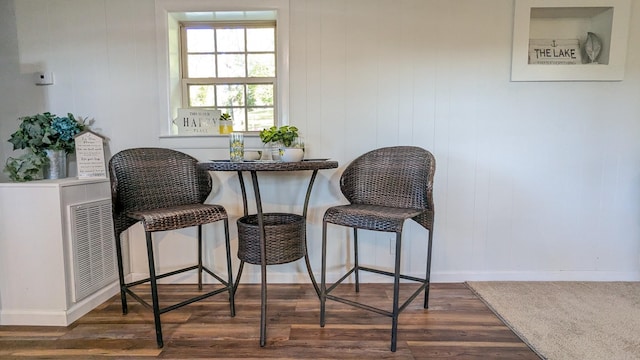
point(231, 66)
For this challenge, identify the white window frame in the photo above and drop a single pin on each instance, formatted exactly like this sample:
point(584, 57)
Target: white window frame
point(188, 81)
point(168, 15)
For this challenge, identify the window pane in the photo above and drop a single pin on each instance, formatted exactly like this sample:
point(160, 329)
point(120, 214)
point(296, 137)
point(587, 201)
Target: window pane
point(230, 95)
point(201, 95)
point(200, 40)
point(237, 115)
point(262, 65)
point(231, 66)
point(261, 39)
point(260, 118)
point(238, 119)
point(260, 95)
point(230, 40)
point(202, 66)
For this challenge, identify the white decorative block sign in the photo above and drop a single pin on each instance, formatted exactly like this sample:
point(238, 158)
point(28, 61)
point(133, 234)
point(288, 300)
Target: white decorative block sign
point(554, 52)
point(197, 121)
point(90, 155)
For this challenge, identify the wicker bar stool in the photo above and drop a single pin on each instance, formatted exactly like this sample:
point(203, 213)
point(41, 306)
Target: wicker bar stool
point(164, 190)
point(384, 188)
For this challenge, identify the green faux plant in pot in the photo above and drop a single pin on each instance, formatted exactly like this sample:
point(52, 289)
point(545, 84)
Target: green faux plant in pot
point(281, 139)
point(226, 124)
point(37, 134)
point(285, 134)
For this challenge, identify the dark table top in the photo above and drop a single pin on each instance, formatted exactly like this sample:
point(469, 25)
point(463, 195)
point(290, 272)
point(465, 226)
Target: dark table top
point(257, 165)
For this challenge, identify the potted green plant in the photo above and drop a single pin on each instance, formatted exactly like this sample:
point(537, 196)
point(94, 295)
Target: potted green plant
point(47, 138)
point(285, 134)
point(226, 124)
point(281, 139)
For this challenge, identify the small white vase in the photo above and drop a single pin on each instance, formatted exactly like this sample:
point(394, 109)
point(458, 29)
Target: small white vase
point(56, 167)
point(291, 154)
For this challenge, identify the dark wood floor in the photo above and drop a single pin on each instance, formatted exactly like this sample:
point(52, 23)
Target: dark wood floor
point(457, 325)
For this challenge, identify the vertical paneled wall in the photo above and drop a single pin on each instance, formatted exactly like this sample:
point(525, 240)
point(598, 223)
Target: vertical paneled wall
point(535, 180)
point(529, 174)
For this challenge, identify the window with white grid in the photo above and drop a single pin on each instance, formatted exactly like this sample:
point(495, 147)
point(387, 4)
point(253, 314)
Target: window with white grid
point(231, 66)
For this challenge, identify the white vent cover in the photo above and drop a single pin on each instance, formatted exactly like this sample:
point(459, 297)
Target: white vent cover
point(93, 247)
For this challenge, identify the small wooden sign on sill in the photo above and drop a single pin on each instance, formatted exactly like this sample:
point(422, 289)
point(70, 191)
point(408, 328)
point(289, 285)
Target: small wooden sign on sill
point(195, 121)
point(90, 155)
point(555, 51)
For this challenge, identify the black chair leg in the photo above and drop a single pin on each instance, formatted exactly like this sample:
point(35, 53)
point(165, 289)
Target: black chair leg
point(355, 257)
point(154, 291)
point(230, 283)
point(199, 257)
point(323, 275)
point(396, 293)
point(428, 277)
point(123, 285)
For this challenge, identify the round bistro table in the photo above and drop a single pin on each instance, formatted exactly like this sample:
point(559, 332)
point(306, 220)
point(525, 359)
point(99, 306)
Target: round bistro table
point(270, 238)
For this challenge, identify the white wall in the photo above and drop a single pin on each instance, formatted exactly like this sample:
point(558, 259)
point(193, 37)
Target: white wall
point(534, 180)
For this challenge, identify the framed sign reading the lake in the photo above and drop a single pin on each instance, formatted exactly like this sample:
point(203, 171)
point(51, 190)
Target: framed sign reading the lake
point(555, 52)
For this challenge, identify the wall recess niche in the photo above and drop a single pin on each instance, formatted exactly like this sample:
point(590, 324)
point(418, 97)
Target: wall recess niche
point(551, 41)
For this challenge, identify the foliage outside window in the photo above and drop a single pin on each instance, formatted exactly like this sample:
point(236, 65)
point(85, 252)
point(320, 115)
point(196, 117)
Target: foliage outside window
point(231, 66)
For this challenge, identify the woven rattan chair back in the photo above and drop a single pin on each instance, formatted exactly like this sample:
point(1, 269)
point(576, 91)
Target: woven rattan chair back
point(399, 176)
point(152, 178)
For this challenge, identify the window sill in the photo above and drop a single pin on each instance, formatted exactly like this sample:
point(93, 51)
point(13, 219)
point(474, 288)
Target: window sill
point(252, 140)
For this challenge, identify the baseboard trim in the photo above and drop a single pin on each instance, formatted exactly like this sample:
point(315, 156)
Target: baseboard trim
point(536, 276)
point(253, 277)
point(58, 317)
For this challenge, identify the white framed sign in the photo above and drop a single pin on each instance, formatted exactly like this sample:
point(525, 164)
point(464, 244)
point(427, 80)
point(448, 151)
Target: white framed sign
point(90, 155)
point(555, 51)
point(197, 121)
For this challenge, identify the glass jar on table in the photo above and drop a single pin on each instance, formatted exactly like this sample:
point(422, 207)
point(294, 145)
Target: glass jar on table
point(236, 146)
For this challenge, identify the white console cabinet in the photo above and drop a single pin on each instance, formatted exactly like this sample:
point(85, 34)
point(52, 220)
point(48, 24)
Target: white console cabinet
point(57, 256)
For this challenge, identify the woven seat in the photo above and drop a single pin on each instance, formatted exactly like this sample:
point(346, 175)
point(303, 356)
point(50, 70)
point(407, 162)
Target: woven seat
point(384, 187)
point(164, 190)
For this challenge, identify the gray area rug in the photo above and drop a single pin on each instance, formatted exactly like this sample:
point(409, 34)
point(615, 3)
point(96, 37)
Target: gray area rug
point(569, 320)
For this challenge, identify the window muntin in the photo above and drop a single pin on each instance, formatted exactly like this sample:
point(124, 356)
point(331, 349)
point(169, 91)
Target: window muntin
point(231, 67)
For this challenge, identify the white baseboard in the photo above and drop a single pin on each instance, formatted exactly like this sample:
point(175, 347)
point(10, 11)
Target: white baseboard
point(535, 276)
point(46, 317)
point(301, 277)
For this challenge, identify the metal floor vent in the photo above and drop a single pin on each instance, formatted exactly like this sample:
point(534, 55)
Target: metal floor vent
point(94, 253)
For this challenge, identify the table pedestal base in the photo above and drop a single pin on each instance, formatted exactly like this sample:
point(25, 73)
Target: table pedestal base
point(270, 238)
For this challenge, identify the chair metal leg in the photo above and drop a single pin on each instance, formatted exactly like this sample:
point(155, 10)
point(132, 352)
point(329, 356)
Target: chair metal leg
point(428, 277)
point(154, 290)
point(123, 285)
point(396, 293)
point(230, 284)
point(355, 257)
point(323, 274)
point(199, 257)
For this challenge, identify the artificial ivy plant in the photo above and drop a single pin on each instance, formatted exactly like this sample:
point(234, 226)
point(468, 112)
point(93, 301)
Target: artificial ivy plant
point(36, 134)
